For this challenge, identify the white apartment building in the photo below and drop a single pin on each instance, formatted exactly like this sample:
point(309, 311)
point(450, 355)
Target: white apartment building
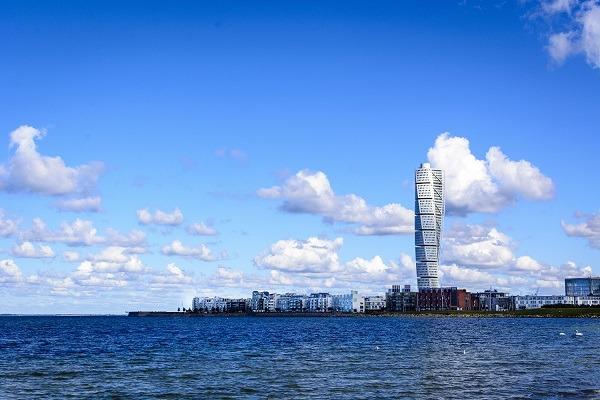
point(374, 303)
point(531, 302)
point(349, 302)
point(210, 304)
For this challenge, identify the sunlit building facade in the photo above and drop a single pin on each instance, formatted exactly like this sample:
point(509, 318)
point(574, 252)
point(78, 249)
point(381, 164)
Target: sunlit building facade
point(429, 218)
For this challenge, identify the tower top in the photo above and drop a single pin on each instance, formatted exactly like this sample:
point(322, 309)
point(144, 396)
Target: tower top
point(426, 165)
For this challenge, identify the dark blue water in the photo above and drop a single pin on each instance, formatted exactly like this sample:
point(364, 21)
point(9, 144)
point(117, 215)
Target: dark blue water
point(120, 357)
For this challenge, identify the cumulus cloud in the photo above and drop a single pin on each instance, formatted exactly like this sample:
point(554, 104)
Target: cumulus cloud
point(311, 193)
point(477, 245)
point(200, 252)
point(9, 272)
point(581, 23)
point(173, 276)
point(83, 204)
point(201, 229)
point(8, 227)
point(82, 233)
point(160, 217)
point(474, 185)
point(588, 229)
point(29, 250)
point(311, 255)
point(29, 171)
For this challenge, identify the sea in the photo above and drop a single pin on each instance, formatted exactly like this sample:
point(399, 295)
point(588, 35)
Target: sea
point(117, 357)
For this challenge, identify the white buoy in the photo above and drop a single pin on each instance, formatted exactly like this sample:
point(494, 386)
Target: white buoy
point(464, 352)
point(562, 334)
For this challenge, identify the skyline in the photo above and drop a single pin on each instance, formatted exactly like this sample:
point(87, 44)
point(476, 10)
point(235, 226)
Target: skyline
point(203, 151)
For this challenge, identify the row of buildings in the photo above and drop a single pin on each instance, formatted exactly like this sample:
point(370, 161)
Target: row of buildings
point(578, 292)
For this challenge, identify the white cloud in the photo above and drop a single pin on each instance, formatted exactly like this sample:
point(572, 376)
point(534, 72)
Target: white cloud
point(84, 204)
point(160, 217)
point(588, 229)
point(582, 30)
point(311, 255)
point(527, 263)
point(477, 245)
point(558, 6)
point(29, 171)
point(82, 233)
point(311, 193)
point(29, 250)
point(7, 226)
point(200, 252)
point(174, 276)
point(474, 185)
point(9, 272)
point(71, 256)
point(201, 229)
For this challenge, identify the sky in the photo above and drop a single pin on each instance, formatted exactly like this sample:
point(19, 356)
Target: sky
point(154, 151)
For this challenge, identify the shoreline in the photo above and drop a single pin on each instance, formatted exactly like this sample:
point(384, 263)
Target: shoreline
point(536, 313)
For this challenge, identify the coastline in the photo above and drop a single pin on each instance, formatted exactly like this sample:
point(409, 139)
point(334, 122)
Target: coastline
point(535, 313)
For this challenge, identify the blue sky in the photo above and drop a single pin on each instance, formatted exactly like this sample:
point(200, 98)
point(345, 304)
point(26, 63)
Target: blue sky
point(197, 106)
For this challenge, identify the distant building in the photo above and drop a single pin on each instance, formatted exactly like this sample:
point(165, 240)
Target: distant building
point(349, 302)
point(535, 301)
point(259, 301)
point(493, 300)
point(429, 216)
point(272, 302)
point(236, 305)
point(400, 299)
point(320, 302)
point(291, 302)
point(582, 286)
point(374, 303)
point(442, 299)
point(209, 304)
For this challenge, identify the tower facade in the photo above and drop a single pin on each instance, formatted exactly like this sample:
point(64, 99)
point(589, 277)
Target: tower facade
point(429, 218)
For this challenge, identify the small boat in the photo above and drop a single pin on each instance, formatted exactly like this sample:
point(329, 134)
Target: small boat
point(577, 333)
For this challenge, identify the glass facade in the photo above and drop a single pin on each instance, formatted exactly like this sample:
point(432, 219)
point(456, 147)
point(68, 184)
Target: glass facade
point(582, 287)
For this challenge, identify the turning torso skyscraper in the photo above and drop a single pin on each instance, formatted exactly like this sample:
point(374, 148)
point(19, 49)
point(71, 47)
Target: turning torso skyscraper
point(429, 217)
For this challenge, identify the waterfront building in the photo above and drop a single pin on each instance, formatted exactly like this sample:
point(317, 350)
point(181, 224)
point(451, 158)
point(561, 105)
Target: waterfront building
point(272, 302)
point(320, 302)
point(374, 303)
point(429, 216)
point(291, 302)
point(589, 286)
point(589, 301)
point(400, 299)
point(535, 301)
point(209, 304)
point(236, 305)
point(442, 299)
point(493, 300)
point(349, 302)
point(259, 301)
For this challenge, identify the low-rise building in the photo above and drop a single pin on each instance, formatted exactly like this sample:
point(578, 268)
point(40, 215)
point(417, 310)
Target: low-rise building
point(259, 301)
point(535, 301)
point(236, 305)
point(442, 299)
point(400, 299)
point(209, 304)
point(348, 302)
point(291, 302)
point(492, 300)
point(582, 287)
point(374, 303)
point(320, 302)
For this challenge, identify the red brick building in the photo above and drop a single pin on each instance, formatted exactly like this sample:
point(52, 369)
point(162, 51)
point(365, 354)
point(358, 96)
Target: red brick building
point(446, 299)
